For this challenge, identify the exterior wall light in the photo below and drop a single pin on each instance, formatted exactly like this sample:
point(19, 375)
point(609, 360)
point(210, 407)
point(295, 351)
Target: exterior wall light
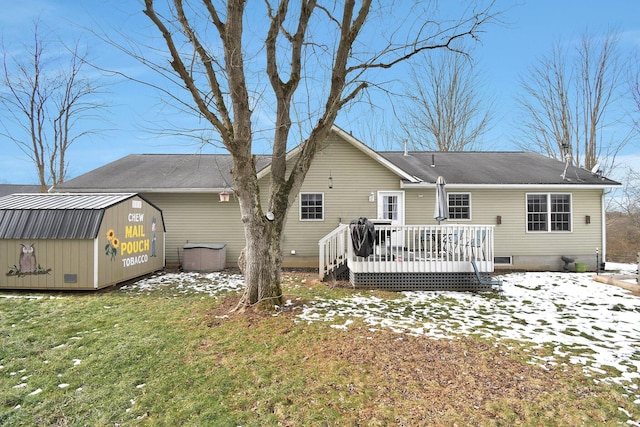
point(372, 197)
point(224, 196)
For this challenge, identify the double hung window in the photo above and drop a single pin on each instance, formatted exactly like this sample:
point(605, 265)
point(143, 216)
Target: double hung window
point(548, 212)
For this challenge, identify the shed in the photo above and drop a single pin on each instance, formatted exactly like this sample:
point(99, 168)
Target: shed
point(78, 241)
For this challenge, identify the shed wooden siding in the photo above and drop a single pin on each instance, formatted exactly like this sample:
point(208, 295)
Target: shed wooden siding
point(112, 271)
point(60, 256)
point(70, 264)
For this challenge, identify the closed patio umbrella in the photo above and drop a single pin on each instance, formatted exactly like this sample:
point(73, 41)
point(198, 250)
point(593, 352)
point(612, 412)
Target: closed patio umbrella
point(441, 211)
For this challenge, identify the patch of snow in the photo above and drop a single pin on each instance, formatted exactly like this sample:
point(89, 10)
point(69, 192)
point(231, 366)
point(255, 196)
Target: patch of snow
point(208, 283)
point(343, 326)
point(76, 362)
point(620, 268)
point(35, 392)
point(21, 385)
point(63, 385)
point(582, 321)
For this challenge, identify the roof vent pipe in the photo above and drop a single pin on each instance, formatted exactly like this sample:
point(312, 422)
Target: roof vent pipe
point(433, 160)
point(405, 148)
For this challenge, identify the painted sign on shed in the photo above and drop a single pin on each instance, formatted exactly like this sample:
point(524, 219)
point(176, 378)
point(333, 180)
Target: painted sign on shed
point(78, 241)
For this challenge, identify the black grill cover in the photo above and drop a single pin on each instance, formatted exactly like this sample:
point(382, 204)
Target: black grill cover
point(363, 236)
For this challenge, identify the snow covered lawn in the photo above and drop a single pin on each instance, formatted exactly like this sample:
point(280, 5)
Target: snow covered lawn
point(582, 321)
point(559, 318)
point(579, 320)
point(576, 319)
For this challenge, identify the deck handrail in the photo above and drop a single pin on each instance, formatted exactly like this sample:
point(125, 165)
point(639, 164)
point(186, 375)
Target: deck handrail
point(427, 248)
point(333, 249)
point(412, 249)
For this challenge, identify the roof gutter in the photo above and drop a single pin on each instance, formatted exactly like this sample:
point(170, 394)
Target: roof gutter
point(144, 190)
point(411, 185)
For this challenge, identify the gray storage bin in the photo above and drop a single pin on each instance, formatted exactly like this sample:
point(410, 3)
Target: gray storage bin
point(204, 256)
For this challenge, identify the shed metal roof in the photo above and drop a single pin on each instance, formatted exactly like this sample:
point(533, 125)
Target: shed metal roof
point(54, 215)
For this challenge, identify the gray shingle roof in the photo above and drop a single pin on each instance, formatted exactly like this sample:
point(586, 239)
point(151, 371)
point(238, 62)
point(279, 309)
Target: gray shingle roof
point(491, 168)
point(54, 216)
point(6, 189)
point(160, 172)
point(212, 172)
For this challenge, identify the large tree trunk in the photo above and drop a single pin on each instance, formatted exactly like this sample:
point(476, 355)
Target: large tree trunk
point(262, 259)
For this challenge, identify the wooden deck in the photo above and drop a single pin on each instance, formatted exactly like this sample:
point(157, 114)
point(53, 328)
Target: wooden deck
point(412, 257)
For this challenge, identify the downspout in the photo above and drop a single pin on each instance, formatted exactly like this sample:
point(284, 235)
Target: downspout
point(604, 228)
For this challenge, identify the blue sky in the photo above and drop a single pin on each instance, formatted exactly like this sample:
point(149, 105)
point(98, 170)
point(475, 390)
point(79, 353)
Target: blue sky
point(506, 51)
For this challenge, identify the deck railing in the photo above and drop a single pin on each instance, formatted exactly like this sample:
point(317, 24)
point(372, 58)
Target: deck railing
point(413, 249)
point(333, 250)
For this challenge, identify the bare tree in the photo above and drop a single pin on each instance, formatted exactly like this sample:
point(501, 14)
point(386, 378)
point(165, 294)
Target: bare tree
point(569, 103)
point(44, 102)
point(318, 58)
point(623, 219)
point(444, 110)
point(634, 89)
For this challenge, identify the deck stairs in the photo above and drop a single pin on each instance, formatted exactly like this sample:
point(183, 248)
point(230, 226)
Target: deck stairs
point(333, 254)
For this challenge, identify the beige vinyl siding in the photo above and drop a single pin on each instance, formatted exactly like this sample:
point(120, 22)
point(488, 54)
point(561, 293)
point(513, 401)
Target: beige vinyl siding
point(355, 176)
point(511, 236)
point(199, 218)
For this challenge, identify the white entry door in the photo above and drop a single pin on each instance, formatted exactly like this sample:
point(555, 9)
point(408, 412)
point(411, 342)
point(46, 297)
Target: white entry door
point(391, 206)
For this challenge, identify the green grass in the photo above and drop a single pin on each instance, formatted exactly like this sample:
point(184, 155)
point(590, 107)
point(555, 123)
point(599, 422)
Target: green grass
point(167, 358)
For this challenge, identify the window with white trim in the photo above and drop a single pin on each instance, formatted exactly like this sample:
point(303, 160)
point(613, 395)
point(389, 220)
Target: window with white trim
point(459, 205)
point(548, 212)
point(311, 206)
